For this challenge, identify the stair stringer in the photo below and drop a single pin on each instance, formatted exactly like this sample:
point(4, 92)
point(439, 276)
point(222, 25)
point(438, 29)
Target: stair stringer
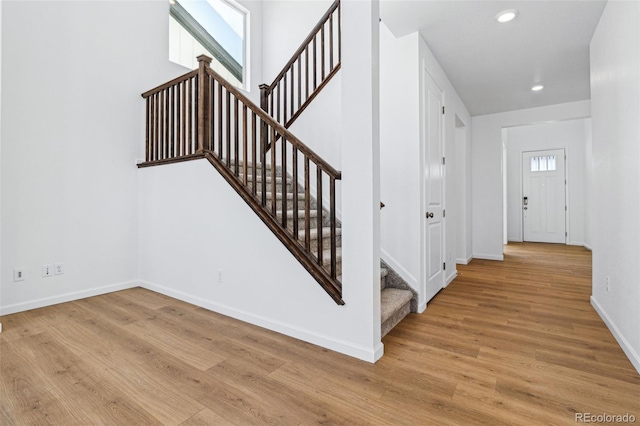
point(193, 224)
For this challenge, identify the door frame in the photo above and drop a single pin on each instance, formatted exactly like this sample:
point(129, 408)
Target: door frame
point(566, 190)
point(422, 302)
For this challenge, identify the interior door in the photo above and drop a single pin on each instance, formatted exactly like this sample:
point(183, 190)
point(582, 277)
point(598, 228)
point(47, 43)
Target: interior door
point(434, 188)
point(543, 196)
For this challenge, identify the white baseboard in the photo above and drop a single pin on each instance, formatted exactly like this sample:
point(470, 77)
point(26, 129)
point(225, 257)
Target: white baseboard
point(422, 307)
point(466, 261)
point(450, 278)
point(66, 297)
point(575, 243)
point(624, 344)
point(347, 348)
point(488, 256)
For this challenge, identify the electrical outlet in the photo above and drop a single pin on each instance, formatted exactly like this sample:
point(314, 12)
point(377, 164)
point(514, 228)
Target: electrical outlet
point(47, 270)
point(18, 275)
point(58, 268)
point(220, 274)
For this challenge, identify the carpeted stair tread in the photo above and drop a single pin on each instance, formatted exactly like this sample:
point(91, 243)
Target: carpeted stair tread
point(313, 233)
point(326, 256)
point(289, 196)
point(392, 300)
point(312, 213)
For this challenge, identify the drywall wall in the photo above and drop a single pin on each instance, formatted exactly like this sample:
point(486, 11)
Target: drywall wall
point(569, 135)
point(400, 154)
point(0, 159)
point(588, 182)
point(486, 159)
point(194, 226)
point(286, 23)
point(402, 61)
point(72, 128)
point(615, 108)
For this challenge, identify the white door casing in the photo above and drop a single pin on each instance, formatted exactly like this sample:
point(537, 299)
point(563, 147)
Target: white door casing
point(433, 175)
point(543, 196)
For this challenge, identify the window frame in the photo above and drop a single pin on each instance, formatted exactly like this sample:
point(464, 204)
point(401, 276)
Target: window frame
point(197, 31)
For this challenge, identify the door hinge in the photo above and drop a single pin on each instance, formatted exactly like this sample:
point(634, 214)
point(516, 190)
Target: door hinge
point(565, 234)
point(444, 266)
point(443, 110)
point(565, 208)
point(443, 161)
point(444, 213)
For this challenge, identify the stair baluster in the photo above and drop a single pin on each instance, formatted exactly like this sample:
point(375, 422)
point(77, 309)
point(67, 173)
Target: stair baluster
point(201, 115)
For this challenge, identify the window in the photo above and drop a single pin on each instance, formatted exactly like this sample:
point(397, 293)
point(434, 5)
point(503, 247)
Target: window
point(216, 28)
point(543, 164)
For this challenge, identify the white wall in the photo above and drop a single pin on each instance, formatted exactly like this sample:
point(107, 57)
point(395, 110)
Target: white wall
point(486, 158)
point(462, 192)
point(400, 154)
point(286, 24)
point(589, 183)
point(193, 224)
point(72, 127)
point(569, 135)
point(615, 101)
point(0, 158)
point(401, 128)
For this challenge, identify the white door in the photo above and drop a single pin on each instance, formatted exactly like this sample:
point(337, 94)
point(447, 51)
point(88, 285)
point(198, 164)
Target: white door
point(434, 188)
point(543, 196)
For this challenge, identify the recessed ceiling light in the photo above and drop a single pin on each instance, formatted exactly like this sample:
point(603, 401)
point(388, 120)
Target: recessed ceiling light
point(537, 87)
point(506, 15)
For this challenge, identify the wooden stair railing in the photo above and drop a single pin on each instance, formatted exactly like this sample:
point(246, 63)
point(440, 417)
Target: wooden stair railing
point(201, 115)
point(308, 71)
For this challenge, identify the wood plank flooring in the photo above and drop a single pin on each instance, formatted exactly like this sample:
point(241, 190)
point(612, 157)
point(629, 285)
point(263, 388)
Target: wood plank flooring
point(507, 343)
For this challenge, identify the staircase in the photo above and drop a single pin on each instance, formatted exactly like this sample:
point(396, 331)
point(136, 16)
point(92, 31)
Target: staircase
point(396, 296)
point(292, 189)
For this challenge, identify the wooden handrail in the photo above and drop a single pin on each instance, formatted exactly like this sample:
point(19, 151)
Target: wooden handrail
point(289, 94)
point(280, 129)
point(168, 84)
point(305, 43)
point(202, 115)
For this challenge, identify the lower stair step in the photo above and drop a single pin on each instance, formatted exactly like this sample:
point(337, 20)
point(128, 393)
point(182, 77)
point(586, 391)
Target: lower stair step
point(326, 260)
point(395, 304)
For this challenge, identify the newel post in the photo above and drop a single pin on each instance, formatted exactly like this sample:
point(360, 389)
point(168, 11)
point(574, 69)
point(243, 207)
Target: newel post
point(264, 97)
point(264, 104)
point(203, 105)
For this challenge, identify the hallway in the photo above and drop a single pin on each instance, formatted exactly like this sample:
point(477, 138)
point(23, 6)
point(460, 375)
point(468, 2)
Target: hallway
point(520, 341)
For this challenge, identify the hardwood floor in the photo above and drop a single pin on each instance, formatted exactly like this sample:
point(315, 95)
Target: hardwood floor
point(507, 343)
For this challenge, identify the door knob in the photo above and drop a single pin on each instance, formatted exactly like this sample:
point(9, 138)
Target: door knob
point(429, 215)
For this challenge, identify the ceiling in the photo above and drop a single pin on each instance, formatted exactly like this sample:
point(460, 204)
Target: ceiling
point(493, 66)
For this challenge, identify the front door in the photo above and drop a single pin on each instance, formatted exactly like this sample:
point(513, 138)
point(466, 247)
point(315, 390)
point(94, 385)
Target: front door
point(543, 196)
point(434, 188)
